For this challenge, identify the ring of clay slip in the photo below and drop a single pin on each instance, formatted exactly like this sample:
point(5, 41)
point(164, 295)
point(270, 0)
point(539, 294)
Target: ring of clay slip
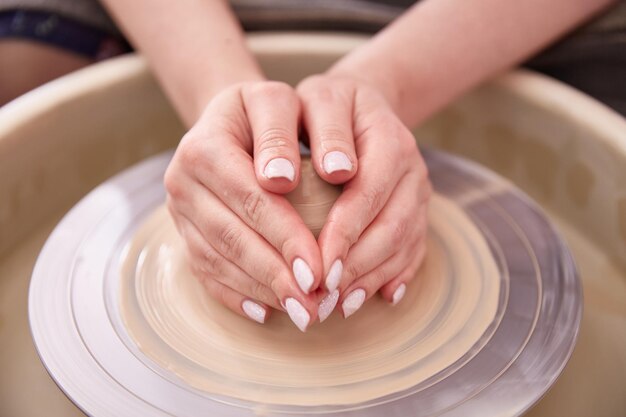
point(379, 351)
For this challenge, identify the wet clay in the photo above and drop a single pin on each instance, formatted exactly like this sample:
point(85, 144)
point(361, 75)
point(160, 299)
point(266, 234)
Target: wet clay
point(313, 197)
point(379, 351)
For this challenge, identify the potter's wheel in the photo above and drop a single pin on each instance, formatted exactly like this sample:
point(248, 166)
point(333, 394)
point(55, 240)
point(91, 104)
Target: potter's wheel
point(104, 366)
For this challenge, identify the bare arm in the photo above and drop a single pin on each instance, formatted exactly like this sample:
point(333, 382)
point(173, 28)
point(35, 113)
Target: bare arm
point(248, 246)
point(441, 48)
point(433, 53)
point(196, 48)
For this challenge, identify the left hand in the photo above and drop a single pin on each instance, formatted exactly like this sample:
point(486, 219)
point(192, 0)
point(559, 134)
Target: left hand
point(374, 236)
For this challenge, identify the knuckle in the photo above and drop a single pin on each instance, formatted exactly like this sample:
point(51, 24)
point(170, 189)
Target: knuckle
point(379, 277)
point(286, 242)
point(275, 139)
point(374, 196)
point(258, 291)
point(334, 135)
point(173, 186)
point(254, 206)
point(352, 271)
point(398, 231)
point(231, 242)
point(343, 232)
point(190, 152)
point(271, 275)
point(194, 157)
point(212, 261)
point(404, 144)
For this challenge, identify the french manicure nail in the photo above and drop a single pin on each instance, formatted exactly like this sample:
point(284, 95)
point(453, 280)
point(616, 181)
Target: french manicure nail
point(279, 168)
point(334, 275)
point(336, 161)
point(398, 294)
point(297, 313)
point(327, 305)
point(303, 274)
point(254, 311)
point(353, 302)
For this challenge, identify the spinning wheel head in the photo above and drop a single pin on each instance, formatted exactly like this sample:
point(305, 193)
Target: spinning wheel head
point(499, 287)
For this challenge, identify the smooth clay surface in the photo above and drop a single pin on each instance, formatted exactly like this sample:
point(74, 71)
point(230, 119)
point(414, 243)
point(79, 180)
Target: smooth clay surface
point(381, 350)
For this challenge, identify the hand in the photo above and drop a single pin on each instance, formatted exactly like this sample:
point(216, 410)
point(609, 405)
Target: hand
point(374, 237)
point(246, 242)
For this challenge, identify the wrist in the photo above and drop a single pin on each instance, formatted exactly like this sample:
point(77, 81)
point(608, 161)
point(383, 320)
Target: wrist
point(375, 77)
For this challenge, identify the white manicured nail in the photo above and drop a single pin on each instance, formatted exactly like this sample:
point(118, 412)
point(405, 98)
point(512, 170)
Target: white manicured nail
point(297, 313)
point(254, 311)
point(353, 302)
point(303, 274)
point(280, 168)
point(336, 161)
point(398, 294)
point(327, 305)
point(334, 275)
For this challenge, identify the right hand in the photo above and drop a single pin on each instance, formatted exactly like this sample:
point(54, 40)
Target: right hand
point(246, 243)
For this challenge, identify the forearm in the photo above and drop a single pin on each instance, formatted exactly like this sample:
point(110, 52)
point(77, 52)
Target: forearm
point(195, 47)
point(441, 48)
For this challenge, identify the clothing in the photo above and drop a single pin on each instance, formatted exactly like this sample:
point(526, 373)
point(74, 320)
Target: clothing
point(592, 59)
point(63, 32)
point(88, 12)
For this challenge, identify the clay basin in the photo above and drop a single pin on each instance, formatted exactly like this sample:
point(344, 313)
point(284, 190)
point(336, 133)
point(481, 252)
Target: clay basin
point(564, 149)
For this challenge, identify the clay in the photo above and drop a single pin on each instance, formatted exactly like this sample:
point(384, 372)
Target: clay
point(313, 197)
point(379, 351)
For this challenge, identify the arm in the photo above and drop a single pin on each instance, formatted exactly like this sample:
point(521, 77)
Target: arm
point(436, 51)
point(245, 242)
point(442, 48)
point(196, 48)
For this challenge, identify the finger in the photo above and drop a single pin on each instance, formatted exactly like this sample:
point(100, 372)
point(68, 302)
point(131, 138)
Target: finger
point(401, 220)
point(327, 118)
point(394, 290)
point(239, 244)
point(268, 214)
point(363, 288)
point(208, 262)
point(362, 199)
point(273, 111)
point(237, 302)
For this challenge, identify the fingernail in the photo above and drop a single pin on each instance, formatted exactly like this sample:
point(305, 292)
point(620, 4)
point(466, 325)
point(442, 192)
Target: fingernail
point(353, 302)
point(303, 274)
point(336, 161)
point(254, 311)
point(297, 313)
point(279, 168)
point(334, 275)
point(327, 305)
point(398, 294)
